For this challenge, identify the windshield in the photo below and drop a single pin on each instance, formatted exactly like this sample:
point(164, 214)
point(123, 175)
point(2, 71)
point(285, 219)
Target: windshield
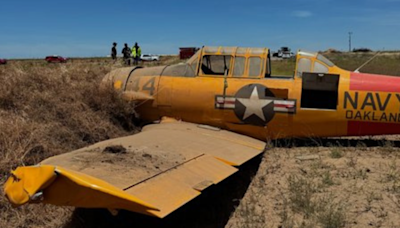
point(325, 60)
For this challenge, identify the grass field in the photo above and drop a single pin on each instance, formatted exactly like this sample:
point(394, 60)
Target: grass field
point(49, 109)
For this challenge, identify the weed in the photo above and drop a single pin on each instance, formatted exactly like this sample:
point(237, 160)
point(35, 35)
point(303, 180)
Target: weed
point(361, 146)
point(393, 173)
point(352, 162)
point(301, 191)
point(327, 179)
point(336, 153)
point(330, 214)
point(387, 146)
point(371, 197)
point(360, 174)
point(394, 188)
point(284, 214)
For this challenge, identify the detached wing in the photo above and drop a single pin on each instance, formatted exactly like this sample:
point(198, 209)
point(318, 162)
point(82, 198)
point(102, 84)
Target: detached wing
point(153, 172)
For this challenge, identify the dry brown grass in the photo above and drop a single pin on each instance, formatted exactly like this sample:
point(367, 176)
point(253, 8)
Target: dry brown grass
point(48, 109)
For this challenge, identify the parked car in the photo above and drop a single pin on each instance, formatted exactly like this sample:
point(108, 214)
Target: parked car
point(283, 53)
point(3, 61)
point(149, 57)
point(55, 59)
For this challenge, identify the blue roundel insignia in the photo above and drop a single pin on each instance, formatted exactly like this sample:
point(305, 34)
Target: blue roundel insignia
point(255, 104)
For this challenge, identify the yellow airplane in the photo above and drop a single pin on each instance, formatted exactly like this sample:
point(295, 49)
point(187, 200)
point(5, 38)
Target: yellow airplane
point(211, 115)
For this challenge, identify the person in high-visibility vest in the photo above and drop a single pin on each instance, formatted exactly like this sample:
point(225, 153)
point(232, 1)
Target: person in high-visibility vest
point(136, 53)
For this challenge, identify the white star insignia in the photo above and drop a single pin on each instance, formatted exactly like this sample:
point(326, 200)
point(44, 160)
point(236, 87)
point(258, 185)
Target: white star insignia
point(254, 105)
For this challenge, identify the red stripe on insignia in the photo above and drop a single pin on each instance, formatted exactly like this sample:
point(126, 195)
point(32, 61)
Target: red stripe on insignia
point(374, 82)
point(371, 128)
point(283, 106)
point(229, 102)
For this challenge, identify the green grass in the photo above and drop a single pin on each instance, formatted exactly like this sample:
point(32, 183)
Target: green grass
point(336, 153)
point(384, 63)
point(284, 67)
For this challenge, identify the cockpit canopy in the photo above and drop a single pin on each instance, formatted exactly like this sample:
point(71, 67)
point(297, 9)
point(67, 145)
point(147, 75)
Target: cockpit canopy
point(237, 62)
point(312, 62)
point(234, 61)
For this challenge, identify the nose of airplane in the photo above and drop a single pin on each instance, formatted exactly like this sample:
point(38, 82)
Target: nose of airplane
point(116, 79)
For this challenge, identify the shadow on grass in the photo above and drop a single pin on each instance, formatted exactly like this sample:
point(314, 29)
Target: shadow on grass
point(329, 142)
point(211, 209)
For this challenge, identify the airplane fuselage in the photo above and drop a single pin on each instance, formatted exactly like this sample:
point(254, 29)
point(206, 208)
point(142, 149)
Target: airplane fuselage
point(312, 103)
point(360, 110)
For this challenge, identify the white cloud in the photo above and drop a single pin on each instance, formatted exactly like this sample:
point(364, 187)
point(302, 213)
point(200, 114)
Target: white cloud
point(302, 14)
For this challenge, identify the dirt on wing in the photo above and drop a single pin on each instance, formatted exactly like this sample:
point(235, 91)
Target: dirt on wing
point(118, 165)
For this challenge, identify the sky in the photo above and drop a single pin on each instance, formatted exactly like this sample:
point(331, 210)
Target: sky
point(87, 28)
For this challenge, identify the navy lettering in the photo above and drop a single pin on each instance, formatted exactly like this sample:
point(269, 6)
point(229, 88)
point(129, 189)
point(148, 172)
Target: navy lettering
point(366, 115)
point(382, 107)
point(384, 117)
point(358, 115)
point(392, 117)
point(369, 101)
point(373, 116)
point(347, 97)
point(349, 114)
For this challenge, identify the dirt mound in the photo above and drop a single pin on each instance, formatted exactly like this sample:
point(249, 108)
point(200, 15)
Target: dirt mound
point(332, 50)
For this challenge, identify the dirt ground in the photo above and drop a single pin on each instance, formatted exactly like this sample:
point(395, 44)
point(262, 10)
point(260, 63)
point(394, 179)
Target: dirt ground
point(325, 186)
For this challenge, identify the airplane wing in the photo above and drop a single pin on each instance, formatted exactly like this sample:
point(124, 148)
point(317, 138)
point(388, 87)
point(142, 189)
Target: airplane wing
point(153, 172)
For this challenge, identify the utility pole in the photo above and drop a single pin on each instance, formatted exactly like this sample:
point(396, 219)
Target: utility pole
point(350, 33)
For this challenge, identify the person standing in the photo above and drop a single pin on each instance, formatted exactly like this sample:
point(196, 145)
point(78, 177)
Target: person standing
point(114, 51)
point(136, 53)
point(126, 52)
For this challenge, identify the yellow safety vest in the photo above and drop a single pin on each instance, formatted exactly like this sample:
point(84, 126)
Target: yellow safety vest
point(133, 52)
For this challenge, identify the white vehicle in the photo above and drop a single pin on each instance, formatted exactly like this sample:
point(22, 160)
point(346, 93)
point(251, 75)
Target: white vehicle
point(283, 53)
point(149, 57)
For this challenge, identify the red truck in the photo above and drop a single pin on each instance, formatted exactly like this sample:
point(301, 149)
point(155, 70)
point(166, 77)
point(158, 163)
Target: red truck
point(55, 59)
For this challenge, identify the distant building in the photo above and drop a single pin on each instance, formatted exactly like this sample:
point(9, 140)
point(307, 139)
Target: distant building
point(187, 52)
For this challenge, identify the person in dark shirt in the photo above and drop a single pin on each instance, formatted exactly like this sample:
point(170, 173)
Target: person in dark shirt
point(114, 51)
point(126, 52)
